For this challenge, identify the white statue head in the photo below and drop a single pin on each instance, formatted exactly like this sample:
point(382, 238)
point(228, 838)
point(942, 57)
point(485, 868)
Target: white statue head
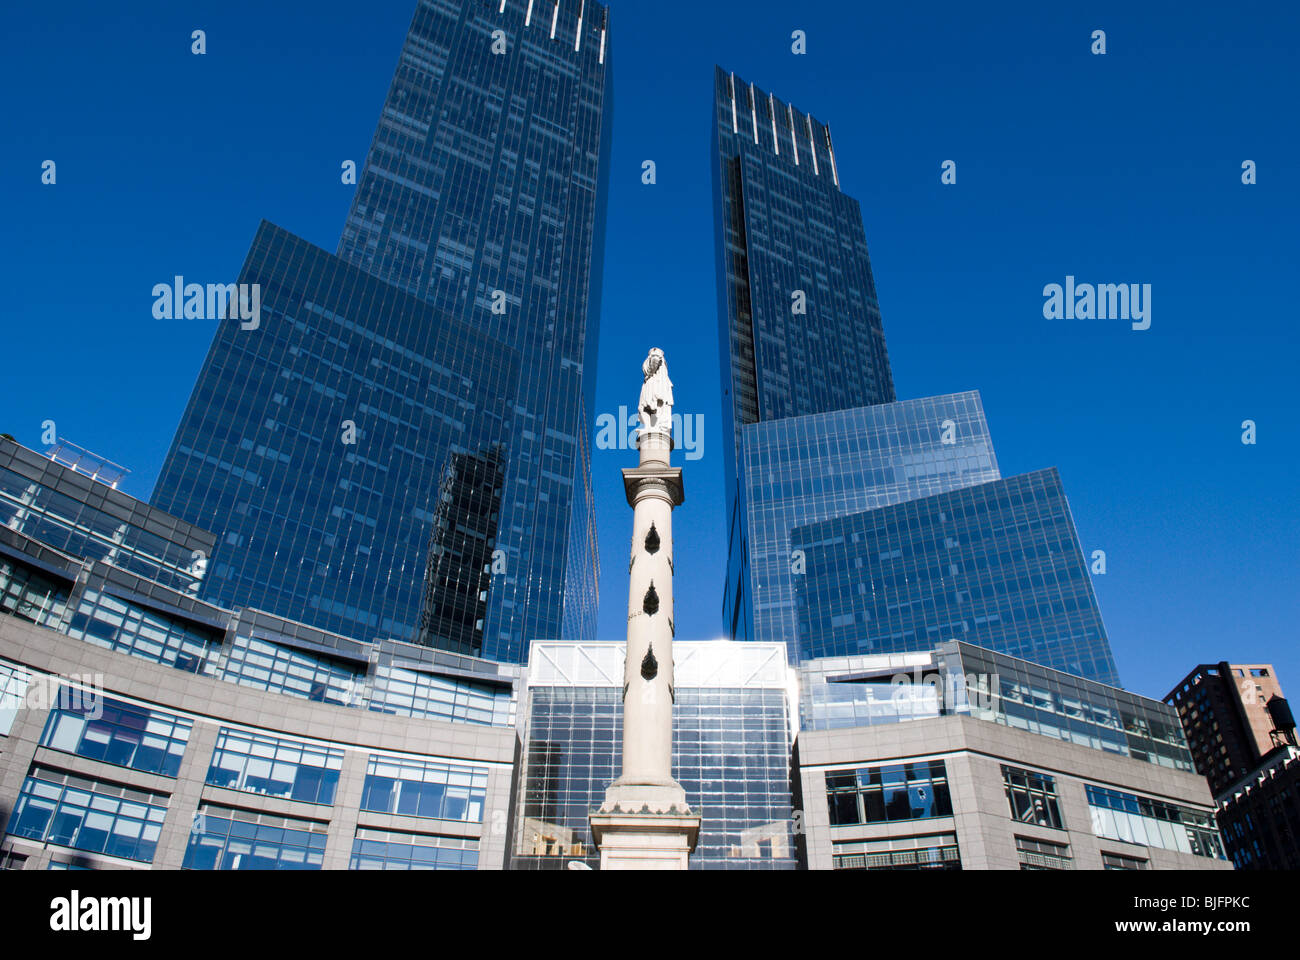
point(652, 363)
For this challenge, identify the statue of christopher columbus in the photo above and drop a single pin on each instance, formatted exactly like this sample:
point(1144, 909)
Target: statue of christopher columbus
point(656, 405)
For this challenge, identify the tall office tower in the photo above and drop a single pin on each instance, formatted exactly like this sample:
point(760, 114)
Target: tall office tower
point(797, 300)
point(451, 339)
point(822, 448)
point(1224, 711)
point(798, 318)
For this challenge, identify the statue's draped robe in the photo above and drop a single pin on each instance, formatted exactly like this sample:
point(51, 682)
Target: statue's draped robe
point(657, 397)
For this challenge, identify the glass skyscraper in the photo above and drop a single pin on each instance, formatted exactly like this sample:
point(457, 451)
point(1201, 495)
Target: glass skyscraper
point(995, 565)
point(798, 317)
point(798, 300)
point(401, 446)
point(800, 470)
point(859, 523)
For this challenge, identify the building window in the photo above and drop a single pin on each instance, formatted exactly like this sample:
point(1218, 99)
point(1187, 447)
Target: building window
point(1153, 823)
point(1043, 854)
point(107, 621)
point(223, 838)
point(27, 595)
point(1033, 698)
point(60, 808)
point(274, 767)
point(416, 788)
point(931, 852)
point(13, 693)
point(1032, 797)
point(120, 733)
point(1120, 861)
point(276, 668)
point(395, 850)
point(72, 526)
point(412, 693)
point(902, 791)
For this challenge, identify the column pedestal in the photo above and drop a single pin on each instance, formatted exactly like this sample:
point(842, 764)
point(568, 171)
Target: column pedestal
point(644, 841)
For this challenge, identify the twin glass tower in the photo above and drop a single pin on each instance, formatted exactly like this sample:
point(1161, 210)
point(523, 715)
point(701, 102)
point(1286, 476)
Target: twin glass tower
point(860, 524)
point(401, 445)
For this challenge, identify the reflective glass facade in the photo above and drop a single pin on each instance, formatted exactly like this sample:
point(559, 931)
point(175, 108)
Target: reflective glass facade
point(801, 470)
point(13, 689)
point(275, 767)
point(130, 627)
point(87, 814)
point(27, 593)
point(266, 665)
point(782, 226)
point(959, 678)
point(109, 607)
point(859, 691)
point(420, 693)
point(1032, 797)
point(420, 788)
point(224, 838)
point(1031, 697)
point(142, 721)
point(820, 444)
point(396, 850)
point(731, 752)
point(799, 322)
point(313, 526)
point(1117, 815)
point(422, 401)
point(76, 515)
point(896, 791)
point(997, 565)
point(120, 733)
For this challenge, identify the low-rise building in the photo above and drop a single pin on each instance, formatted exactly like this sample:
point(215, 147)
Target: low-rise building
point(141, 726)
point(969, 759)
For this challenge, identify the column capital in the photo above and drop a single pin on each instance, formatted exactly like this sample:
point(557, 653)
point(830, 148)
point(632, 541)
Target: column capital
point(669, 477)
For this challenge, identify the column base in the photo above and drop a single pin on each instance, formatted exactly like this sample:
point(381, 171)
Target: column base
point(645, 826)
point(645, 841)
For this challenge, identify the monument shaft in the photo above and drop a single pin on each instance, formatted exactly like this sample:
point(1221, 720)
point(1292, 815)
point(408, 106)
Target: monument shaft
point(645, 822)
point(648, 673)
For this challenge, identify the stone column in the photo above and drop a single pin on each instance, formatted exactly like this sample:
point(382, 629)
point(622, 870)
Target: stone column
point(645, 822)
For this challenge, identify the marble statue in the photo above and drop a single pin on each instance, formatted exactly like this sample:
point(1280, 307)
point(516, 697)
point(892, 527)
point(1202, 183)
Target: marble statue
point(656, 404)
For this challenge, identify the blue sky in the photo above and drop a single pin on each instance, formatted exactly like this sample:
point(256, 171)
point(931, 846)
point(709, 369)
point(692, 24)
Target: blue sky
point(1117, 168)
